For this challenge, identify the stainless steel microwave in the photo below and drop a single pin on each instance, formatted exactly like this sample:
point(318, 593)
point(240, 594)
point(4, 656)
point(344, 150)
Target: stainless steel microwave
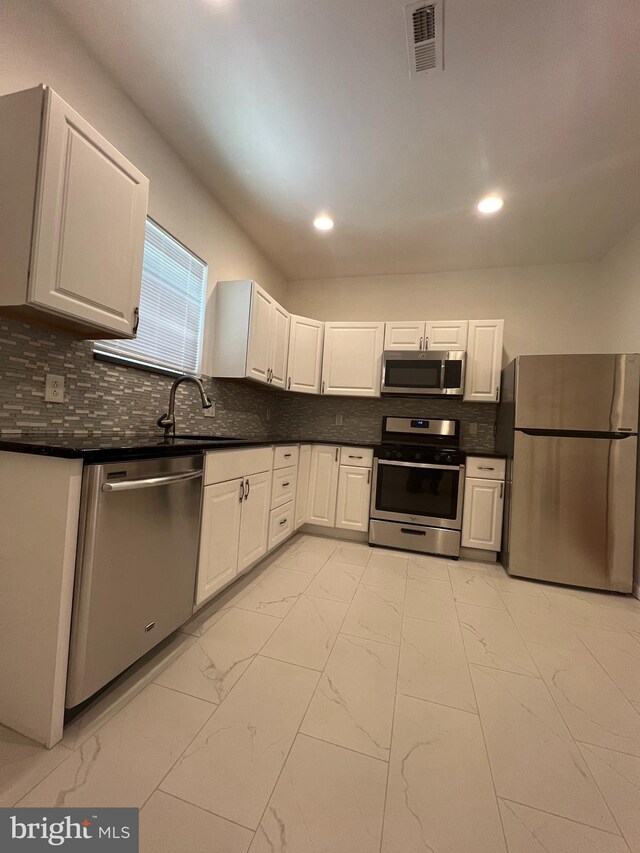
point(421, 372)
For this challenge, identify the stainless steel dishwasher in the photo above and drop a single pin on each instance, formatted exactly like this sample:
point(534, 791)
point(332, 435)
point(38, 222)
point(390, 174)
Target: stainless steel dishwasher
point(136, 564)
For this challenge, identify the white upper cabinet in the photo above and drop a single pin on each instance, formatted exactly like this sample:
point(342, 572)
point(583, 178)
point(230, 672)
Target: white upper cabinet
point(72, 220)
point(259, 345)
point(352, 359)
point(429, 334)
point(305, 355)
point(250, 334)
point(404, 335)
point(484, 361)
point(279, 346)
point(446, 334)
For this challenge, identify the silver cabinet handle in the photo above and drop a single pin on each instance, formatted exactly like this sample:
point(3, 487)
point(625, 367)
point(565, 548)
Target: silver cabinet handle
point(351, 456)
point(337, 451)
point(486, 468)
point(289, 384)
point(287, 455)
point(426, 343)
point(247, 489)
point(241, 490)
point(136, 319)
point(420, 347)
point(368, 476)
point(284, 485)
point(149, 483)
point(284, 521)
point(323, 386)
point(497, 392)
point(501, 489)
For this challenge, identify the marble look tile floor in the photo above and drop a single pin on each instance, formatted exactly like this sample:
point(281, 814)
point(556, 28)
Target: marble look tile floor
point(343, 699)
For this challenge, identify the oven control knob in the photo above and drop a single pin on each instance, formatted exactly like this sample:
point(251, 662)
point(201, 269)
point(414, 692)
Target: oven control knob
point(418, 457)
point(399, 455)
point(436, 458)
point(387, 454)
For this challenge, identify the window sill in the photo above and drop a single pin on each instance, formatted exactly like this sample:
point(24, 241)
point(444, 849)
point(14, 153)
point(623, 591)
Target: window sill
point(121, 361)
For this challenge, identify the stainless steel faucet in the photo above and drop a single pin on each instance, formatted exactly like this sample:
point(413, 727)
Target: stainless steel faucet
point(168, 421)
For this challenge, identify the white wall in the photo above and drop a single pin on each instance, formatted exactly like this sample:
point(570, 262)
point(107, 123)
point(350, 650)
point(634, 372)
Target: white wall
point(620, 281)
point(36, 46)
point(547, 309)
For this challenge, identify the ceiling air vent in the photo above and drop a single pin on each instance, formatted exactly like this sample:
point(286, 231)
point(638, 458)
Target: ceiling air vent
point(424, 37)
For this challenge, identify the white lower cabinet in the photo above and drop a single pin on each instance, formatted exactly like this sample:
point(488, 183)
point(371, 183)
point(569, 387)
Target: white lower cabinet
point(281, 524)
point(302, 493)
point(354, 491)
point(482, 513)
point(255, 519)
point(323, 485)
point(219, 536)
point(235, 518)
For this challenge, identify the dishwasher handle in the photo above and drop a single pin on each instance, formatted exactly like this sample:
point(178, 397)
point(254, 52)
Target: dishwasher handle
point(150, 482)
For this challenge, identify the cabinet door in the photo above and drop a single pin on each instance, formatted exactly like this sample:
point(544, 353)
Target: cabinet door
point(89, 225)
point(305, 355)
point(352, 359)
point(323, 485)
point(405, 335)
point(279, 346)
point(254, 526)
point(484, 361)
point(221, 513)
point(354, 493)
point(302, 493)
point(446, 334)
point(482, 514)
point(260, 332)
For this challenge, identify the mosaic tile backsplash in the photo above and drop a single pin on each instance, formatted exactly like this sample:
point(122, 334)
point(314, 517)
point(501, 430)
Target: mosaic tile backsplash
point(101, 397)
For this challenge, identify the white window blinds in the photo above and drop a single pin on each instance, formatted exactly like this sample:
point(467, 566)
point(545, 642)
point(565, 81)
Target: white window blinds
point(172, 302)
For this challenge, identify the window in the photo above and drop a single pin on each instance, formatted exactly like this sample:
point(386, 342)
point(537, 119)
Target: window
point(172, 300)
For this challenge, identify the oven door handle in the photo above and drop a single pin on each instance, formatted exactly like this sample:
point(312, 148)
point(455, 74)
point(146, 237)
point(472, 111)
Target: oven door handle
point(421, 465)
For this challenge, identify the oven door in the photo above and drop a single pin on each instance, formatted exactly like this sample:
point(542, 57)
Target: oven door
point(423, 372)
point(418, 493)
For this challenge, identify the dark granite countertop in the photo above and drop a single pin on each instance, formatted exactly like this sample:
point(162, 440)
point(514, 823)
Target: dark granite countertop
point(483, 453)
point(110, 448)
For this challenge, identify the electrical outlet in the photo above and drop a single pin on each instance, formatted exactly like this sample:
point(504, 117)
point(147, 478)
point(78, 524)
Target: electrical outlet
point(339, 420)
point(211, 411)
point(473, 429)
point(53, 388)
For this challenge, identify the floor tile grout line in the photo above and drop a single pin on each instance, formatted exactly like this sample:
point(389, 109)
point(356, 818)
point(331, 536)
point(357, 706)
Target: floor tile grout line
point(607, 748)
point(342, 746)
point(373, 639)
point(286, 758)
point(563, 817)
point(46, 776)
point(440, 704)
point(486, 748)
point(393, 717)
point(573, 739)
point(200, 808)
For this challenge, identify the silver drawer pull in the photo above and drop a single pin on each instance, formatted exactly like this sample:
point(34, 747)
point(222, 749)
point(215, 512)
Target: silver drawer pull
point(284, 485)
point(284, 521)
point(287, 455)
point(354, 457)
point(485, 468)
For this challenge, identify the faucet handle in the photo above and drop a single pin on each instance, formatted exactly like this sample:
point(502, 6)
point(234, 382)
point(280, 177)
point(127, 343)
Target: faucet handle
point(166, 420)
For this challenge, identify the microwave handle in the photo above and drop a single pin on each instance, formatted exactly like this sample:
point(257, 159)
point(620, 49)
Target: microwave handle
point(443, 368)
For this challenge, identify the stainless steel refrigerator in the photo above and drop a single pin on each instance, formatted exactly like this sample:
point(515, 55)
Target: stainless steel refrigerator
point(568, 425)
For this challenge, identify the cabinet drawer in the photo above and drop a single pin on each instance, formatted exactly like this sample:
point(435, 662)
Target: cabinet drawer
point(285, 456)
point(361, 457)
point(283, 488)
point(280, 524)
point(485, 467)
point(222, 465)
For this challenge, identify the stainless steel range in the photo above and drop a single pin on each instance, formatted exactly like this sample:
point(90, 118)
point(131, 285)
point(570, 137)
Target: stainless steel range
point(418, 485)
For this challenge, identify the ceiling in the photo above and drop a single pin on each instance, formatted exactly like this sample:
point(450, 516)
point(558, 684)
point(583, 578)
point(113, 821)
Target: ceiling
point(286, 108)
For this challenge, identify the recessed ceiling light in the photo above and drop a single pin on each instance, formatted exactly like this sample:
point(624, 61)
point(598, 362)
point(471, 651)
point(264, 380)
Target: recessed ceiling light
point(490, 204)
point(323, 223)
